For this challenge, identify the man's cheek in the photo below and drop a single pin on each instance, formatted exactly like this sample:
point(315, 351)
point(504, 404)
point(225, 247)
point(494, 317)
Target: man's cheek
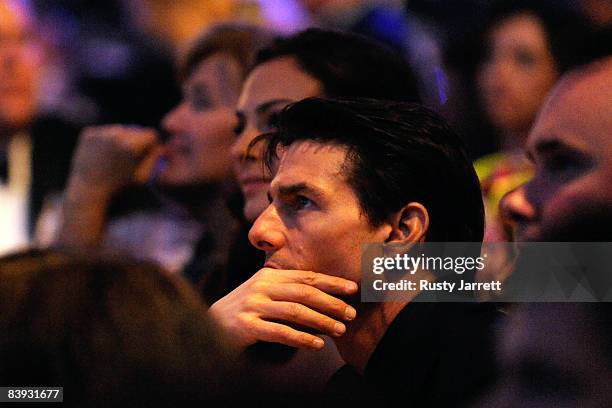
point(575, 200)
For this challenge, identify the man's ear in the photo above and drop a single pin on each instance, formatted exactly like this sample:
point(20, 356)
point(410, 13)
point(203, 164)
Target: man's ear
point(409, 224)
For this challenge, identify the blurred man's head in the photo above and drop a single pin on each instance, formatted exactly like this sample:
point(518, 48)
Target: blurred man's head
point(311, 63)
point(363, 171)
point(571, 148)
point(19, 70)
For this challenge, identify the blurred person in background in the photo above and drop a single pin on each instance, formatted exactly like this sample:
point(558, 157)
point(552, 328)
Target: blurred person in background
point(394, 24)
point(34, 150)
point(525, 47)
point(570, 196)
point(559, 354)
point(110, 332)
point(380, 20)
point(599, 12)
point(192, 169)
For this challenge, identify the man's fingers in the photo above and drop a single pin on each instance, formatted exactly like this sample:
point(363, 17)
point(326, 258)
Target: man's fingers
point(326, 283)
point(279, 333)
point(302, 315)
point(313, 298)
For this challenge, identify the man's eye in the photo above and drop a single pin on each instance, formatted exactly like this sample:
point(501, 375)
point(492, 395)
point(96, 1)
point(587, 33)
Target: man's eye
point(560, 164)
point(296, 204)
point(301, 202)
point(566, 167)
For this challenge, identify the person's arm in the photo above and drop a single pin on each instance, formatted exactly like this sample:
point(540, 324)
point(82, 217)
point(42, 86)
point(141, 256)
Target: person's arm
point(274, 304)
point(107, 159)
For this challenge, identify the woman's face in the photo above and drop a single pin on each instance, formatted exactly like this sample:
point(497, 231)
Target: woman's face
point(267, 90)
point(517, 73)
point(201, 125)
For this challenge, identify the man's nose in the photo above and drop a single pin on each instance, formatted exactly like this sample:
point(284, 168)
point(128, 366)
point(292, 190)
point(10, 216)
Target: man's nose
point(515, 209)
point(266, 233)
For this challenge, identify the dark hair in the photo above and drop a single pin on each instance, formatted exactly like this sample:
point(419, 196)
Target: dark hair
point(238, 40)
point(111, 332)
point(566, 31)
point(397, 152)
point(347, 64)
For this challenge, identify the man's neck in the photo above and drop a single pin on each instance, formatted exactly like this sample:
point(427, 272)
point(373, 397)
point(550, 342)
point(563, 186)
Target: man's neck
point(363, 334)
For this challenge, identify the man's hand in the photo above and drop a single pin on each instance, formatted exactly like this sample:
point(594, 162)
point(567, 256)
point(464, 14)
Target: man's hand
point(114, 156)
point(253, 311)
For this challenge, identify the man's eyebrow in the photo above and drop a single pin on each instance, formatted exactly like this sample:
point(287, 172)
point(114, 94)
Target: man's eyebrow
point(292, 189)
point(267, 105)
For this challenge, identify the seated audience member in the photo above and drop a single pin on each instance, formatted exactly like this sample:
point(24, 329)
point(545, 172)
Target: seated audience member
point(354, 172)
point(558, 354)
point(34, 151)
point(110, 332)
point(311, 63)
point(191, 169)
point(524, 47)
point(570, 195)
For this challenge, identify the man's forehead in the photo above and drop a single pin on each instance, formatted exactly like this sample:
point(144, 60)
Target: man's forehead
point(311, 162)
point(577, 112)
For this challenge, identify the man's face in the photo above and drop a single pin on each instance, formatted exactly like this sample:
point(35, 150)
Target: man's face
point(268, 89)
point(19, 59)
point(201, 125)
point(314, 221)
point(571, 148)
